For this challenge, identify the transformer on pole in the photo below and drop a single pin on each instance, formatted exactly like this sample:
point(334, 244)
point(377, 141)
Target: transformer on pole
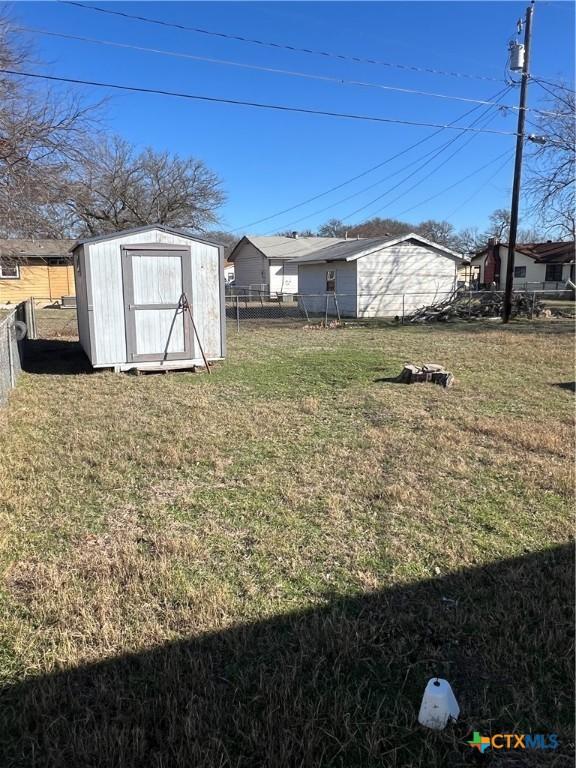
point(525, 56)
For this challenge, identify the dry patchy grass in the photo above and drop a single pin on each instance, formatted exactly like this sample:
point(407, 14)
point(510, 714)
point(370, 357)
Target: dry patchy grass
point(277, 539)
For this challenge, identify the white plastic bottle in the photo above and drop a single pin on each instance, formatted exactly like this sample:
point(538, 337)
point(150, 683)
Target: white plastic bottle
point(439, 705)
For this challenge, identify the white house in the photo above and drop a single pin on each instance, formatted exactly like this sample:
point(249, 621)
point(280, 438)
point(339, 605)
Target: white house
point(537, 266)
point(264, 264)
point(376, 277)
point(228, 272)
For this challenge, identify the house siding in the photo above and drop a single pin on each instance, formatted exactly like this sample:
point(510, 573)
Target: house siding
point(312, 282)
point(535, 273)
point(535, 278)
point(43, 282)
point(420, 274)
point(251, 268)
point(283, 277)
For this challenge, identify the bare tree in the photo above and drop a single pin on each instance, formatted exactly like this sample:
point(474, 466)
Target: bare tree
point(42, 135)
point(117, 188)
point(469, 240)
point(499, 227)
point(441, 232)
point(551, 184)
point(333, 228)
point(499, 224)
point(227, 240)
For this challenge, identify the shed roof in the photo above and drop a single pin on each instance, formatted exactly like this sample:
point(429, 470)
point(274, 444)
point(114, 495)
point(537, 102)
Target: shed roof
point(148, 227)
point(38, 248)
point(351, 250)
point(279, 247)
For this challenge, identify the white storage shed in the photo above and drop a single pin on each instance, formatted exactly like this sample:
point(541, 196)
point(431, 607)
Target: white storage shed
point(130, 289)
point(376, 277)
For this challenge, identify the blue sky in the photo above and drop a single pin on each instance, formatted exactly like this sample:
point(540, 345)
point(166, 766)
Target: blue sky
point(269, 161)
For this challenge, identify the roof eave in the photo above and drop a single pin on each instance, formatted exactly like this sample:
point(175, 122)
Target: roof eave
point(402, 239)
point(136, 230)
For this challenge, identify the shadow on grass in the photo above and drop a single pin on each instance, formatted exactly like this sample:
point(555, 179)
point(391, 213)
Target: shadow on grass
point(390, 380)
point(570, 386)
point(55, 356)
point(336, 686)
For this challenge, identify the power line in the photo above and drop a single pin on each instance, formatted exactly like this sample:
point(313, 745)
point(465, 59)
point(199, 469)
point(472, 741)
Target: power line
point(552, 84)
point(428, 161)
point(281, 46)
point(479, 189)
point(509, 154)
point(552, 93)
point(373, 168)
point(260, 68)
point(255, 104)
point(428, 157)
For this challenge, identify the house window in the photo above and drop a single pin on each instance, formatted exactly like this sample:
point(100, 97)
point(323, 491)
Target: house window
point(9, 270)
point(553, 273)
point(519, 271)
point(331, 281)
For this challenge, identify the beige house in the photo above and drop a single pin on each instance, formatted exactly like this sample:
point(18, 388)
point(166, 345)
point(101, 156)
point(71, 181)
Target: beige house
point(41, 269)
point(537, 266)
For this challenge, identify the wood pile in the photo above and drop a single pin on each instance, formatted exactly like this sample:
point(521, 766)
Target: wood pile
point(463, 306)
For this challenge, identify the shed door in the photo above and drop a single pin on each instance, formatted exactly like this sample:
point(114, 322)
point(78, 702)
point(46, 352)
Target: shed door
point(154, 280)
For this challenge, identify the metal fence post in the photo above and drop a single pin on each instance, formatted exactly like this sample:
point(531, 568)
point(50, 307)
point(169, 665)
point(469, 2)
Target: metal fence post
point(30, 318)
point(305, 308)
point(237, 313)
point(403, 308)
point(533, 303)
point(469, 304)
point(10, 358)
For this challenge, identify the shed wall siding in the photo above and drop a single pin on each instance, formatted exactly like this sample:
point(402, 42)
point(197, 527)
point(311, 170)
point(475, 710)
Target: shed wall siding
point(106, 303)
point(419, 273)
point(250, 267)
point(82, 300)
point(312, 282)
point(206, 299)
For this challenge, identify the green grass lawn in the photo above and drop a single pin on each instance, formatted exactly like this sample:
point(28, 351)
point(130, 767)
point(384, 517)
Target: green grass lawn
point(265, 566)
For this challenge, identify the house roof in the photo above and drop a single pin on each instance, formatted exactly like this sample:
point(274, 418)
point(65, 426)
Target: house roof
point(23, 248)
point(147, 228)
point(550, 252)
point(279, 247)
point(351, 250)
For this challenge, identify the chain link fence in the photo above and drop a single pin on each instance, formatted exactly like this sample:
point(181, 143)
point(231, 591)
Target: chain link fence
point(56, 323)
point(252, 307)
point(256, 309)
point(11, 331)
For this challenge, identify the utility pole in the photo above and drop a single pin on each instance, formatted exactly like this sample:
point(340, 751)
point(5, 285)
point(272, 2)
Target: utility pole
point(518, 166)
